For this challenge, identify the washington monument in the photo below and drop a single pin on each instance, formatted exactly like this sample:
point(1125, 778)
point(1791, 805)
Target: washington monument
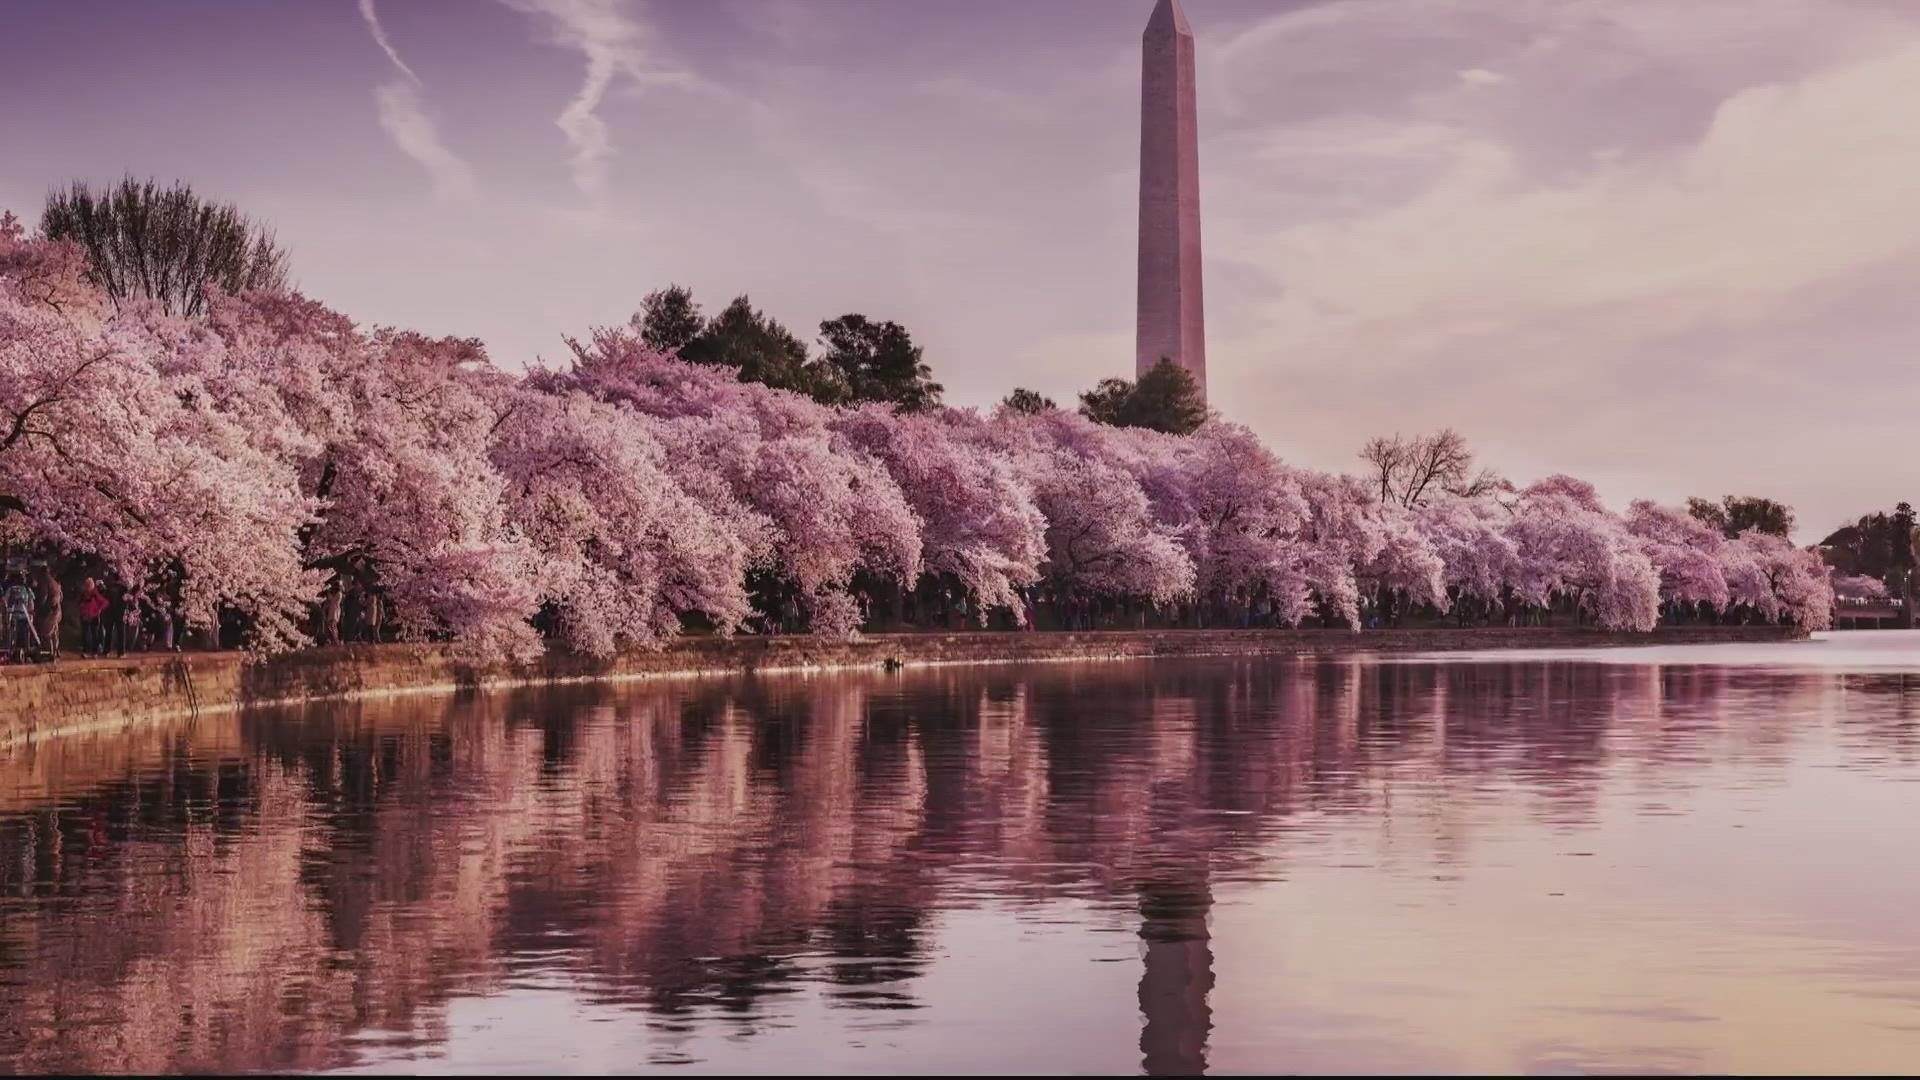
point(1172, 324)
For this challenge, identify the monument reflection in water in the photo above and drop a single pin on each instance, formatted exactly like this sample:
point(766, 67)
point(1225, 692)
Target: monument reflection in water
point(1288, 865)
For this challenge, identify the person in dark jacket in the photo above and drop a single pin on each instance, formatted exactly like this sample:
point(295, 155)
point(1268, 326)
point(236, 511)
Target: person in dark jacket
point(124, 620)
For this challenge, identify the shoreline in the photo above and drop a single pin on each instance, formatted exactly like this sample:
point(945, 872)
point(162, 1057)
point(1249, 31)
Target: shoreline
point(39, 702)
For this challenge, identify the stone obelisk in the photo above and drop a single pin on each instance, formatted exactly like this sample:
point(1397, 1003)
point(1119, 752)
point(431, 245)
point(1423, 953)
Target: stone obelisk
point(1172, 324)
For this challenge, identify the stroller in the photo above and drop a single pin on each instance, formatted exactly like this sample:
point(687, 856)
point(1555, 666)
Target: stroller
point(19, 638)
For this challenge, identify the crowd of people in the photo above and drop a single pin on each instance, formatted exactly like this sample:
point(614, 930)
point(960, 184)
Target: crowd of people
point(113, 619)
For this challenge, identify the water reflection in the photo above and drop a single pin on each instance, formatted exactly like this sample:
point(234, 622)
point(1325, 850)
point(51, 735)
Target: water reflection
point(1279, 865)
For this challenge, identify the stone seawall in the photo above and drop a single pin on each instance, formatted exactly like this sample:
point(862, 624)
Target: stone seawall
point(39, 701)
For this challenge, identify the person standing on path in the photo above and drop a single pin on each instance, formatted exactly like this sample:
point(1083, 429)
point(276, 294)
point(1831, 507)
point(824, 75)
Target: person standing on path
point(330, 610)
point(375, 610)
point(51, 596)
point(93, 627)
point(19, 602)
point(110, 622)
point(133, 620)
point(176, 622)
point(123, 619)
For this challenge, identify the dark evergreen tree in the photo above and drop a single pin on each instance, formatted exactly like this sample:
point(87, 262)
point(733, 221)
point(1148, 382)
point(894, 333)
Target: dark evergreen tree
point(1028, 401)
point(876, 361)
point(669, 320)
point(754, 344)
point(1736, 514)
point(1166, 399)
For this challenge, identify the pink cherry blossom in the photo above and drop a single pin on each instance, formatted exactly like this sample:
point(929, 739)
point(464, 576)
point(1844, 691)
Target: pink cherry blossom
point(1479, 561)
point(1570, 548)
point(1799, 589)
point(107, 449)
point(979, 522)
point(1859, 588)
point(1241, 515)
point(1685, 551)
point(1408, 564)
point(1343, 533)
point(1102, 538)
point(274, 449)
point(623, 552)
point(831, 510)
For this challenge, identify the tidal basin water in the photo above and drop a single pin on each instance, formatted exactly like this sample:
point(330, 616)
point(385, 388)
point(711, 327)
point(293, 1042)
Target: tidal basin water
point(1688, 860)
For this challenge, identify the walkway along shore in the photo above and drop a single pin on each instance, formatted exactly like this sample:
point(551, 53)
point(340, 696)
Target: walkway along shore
point(42, 701)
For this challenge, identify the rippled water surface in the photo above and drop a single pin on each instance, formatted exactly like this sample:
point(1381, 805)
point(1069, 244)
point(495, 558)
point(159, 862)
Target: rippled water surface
point(1646, 860)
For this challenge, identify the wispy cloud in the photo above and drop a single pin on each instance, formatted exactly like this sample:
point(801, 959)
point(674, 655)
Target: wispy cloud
point(617, 46)
point(1479, 213)
point(372, 17)
point(792, 23)
point(404, 117)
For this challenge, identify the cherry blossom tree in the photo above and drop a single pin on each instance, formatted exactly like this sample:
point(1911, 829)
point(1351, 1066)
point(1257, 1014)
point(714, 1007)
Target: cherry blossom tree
point(1407, 568)
point(1102, 536)
point(1858, 588)
point(1343, 533)
point(1569, 547)
point(1254, 525)
point(980, 524)
point(274, 452)
point(832, 510)
point(49, 275)
point(1685, 551)
point(1479, 561)
point(1241, 515)
point(394, 432)
point(1798, 584)
point(623, 552)
point(109, 451)
point(1749, 583)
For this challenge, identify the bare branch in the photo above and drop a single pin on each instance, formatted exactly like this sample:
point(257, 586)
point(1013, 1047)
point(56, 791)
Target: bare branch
point(1408, 472)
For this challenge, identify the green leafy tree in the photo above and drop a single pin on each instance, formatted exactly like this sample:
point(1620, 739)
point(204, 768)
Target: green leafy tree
point(1878, 545)
point(1902, 539)
point(753, 343)
point(168, 245)
point(1166, 398)
point(876, 361)
point(1708, 513)
point(1736, 514)
point(1028, 401)
point(865, 360)
point(1107, 402)
point(669, 320)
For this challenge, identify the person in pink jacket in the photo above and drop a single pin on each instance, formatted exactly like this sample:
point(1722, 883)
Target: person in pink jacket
point(93, 609)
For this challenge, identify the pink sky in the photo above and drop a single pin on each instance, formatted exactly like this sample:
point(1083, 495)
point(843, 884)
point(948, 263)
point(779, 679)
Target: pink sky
point(1670, 247)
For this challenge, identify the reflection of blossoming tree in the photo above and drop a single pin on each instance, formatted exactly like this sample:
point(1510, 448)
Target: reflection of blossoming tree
point(303, 881)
